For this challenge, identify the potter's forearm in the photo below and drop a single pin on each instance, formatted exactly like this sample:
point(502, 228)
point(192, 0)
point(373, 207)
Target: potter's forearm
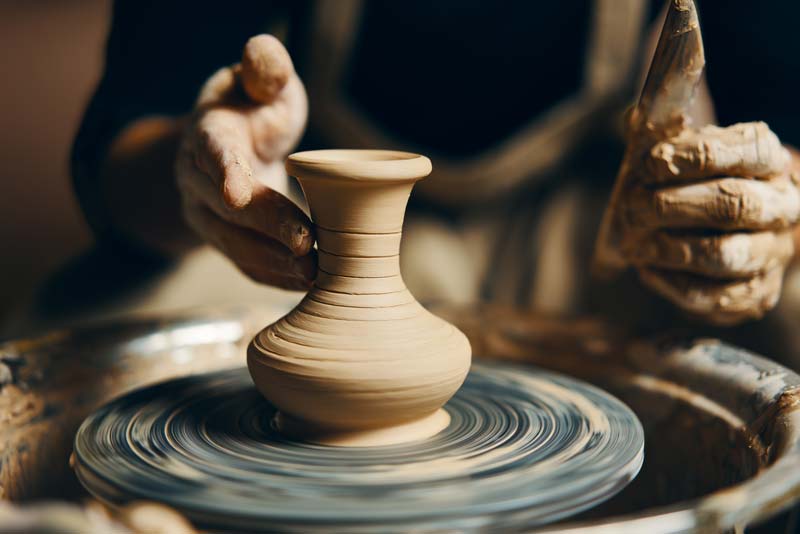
point(137, 186)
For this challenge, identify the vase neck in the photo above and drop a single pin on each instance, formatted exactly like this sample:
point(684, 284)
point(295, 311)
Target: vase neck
point(358, 191)
point(358, 200)
point(357, 207)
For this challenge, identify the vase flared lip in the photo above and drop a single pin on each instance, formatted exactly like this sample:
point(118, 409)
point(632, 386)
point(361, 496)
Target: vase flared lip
point(359, 165)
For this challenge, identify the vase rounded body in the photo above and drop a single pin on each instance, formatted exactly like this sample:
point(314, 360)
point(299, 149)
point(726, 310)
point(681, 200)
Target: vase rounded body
point(359, 357)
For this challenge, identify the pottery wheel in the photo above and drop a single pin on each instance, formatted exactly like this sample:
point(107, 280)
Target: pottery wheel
point(524, 447)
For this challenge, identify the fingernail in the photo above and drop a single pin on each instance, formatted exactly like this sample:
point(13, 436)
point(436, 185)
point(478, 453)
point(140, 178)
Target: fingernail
point(295, 236)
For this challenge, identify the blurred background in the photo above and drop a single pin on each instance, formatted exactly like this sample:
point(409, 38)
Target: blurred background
point(54, 55)
point(53, 52)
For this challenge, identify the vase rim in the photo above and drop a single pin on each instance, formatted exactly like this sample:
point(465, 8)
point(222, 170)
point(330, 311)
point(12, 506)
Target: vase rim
point(359, 165)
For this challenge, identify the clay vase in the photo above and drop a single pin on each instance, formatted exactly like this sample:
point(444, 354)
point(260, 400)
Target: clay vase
point(359, 361)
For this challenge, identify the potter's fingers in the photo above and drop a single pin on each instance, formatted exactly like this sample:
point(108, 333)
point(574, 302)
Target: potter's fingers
point(746, 150)
point(735, 255)
point(277, 128)
point(268, 212)
point(223, 151)
point(722, 302)
point(721, 204)
point(280, 218)
point(221, 88)
point(259, 257)
point(266, 68)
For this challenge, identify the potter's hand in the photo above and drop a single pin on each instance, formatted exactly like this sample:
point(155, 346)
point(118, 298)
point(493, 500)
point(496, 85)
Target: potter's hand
point(247, 118)
point(703, 214)
point(708, 221)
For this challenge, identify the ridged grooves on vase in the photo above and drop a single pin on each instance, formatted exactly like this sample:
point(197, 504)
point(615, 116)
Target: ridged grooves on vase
point(359, 361)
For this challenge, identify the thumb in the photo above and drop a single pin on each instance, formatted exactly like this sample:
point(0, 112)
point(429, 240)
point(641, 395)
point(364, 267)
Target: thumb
point(265, 69)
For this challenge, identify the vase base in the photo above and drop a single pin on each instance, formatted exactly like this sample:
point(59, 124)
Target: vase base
point(416, 430)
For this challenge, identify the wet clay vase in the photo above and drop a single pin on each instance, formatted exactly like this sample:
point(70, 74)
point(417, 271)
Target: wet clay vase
point(359, 361)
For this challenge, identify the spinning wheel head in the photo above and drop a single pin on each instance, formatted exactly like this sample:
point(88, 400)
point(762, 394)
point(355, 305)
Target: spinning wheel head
point(523, 447)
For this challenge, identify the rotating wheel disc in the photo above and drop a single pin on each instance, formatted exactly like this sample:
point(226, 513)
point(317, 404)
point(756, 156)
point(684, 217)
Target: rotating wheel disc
point(524, 447)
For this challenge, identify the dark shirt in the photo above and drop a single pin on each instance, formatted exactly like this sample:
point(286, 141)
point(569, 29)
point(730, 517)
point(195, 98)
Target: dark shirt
point(457, 76)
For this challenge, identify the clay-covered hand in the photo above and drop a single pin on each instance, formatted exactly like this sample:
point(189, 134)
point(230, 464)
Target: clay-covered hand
point(704, 214)
point(230, 166)
point(707, 221)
